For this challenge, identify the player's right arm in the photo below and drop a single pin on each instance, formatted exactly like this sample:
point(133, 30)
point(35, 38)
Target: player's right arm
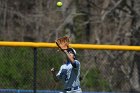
point(54, 75)
point(57, 76)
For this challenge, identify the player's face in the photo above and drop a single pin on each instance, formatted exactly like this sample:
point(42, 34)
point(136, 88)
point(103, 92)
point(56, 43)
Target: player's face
point(71, 54)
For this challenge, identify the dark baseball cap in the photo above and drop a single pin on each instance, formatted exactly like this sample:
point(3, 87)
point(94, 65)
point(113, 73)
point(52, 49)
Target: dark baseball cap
point(72, 50)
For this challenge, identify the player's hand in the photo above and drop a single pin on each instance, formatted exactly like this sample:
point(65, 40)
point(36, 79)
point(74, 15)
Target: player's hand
point(52, 69)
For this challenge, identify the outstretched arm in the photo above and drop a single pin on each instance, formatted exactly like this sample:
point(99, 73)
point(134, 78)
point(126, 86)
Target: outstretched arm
point(75, 63)
point(54, 75)
point(69, 57)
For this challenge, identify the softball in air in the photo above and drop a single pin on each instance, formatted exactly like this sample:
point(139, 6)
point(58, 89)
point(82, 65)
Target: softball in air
point(59, 4)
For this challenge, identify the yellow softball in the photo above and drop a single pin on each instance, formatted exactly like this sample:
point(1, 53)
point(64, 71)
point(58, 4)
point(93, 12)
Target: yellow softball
point(59, 4)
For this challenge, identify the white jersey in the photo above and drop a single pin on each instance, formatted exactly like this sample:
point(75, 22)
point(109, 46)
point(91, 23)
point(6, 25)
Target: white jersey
point(69, 74)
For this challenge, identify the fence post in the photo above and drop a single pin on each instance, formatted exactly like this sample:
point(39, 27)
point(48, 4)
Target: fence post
point(35, 69)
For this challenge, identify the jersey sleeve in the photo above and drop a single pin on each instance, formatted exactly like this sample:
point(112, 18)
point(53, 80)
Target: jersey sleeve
point(76, 64)
point(59, 72)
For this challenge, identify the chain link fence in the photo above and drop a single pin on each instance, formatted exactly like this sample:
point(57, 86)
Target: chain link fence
point(101, 70)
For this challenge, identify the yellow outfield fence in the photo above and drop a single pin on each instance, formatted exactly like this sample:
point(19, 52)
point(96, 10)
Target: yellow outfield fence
point(79, 46)
point(26, 65)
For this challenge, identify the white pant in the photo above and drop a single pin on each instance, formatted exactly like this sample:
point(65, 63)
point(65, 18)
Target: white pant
point(73, 91)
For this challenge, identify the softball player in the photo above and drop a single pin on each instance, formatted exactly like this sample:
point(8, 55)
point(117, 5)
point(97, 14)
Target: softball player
point(69, 73)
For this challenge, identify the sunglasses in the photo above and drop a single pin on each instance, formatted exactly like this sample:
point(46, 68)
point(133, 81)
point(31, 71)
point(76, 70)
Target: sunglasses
point(70, 52)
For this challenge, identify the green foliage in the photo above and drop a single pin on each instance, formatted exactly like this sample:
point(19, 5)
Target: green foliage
point(16, 67)
point(95, 82)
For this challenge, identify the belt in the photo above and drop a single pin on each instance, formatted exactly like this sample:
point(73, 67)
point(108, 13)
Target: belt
point(74, 88)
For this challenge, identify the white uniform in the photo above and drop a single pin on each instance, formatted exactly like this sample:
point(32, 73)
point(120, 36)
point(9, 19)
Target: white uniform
point(69, 74)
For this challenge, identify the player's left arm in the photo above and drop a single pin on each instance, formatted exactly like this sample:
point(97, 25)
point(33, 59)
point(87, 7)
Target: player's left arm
point(74, 63)
point(69, 57)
